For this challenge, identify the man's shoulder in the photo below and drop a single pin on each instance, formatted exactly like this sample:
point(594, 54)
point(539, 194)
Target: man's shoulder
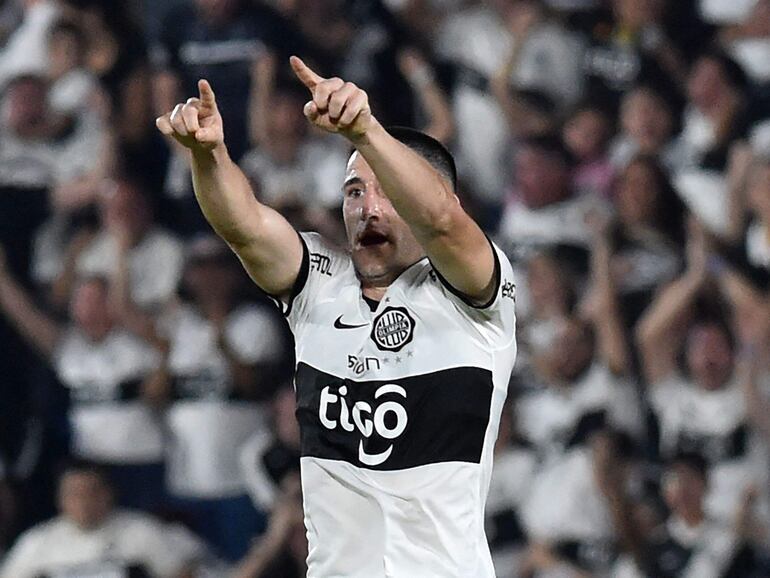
point(325, 258)
point(39, 534)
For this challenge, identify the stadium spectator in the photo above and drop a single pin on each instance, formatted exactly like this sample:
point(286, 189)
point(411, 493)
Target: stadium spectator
point(281, 551)
point(117, 55)
point(699, 405)
point(291, 167)
point(586, 391)
point(748, 41)
point(544, 303)
point(688, 542)
point(506, 36)
point(271, 456)
point(219, 40)
point(129, 242)
point(749, 204)
point(512, 477)
point(223, 357)
point(35, 150)
point(586, 135)
point(24, 48)
point(647, 236)
point(542, 207)
point(108, 372)
point(633, 46)
point(718, 110)
point(91, 537)
point(433, 109)
point(646, 127)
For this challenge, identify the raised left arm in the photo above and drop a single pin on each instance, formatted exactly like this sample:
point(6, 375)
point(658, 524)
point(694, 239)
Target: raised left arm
point(455, 244)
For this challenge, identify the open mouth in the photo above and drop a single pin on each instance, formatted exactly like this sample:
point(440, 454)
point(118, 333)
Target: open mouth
point(372, 238)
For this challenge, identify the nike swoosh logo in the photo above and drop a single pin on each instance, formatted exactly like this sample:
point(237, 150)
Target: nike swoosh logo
point(338, 324)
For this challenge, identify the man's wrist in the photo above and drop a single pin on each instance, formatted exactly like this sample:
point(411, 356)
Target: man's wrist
point(209, 157)
point(370, 137)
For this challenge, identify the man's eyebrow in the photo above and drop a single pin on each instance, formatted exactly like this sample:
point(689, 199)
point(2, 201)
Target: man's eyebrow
point(352, 181)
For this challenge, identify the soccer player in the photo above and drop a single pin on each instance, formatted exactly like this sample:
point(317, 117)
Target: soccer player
point(404, 342)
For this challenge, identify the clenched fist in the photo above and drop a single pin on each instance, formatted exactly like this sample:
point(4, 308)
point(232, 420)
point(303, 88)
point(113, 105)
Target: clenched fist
point(196, 124)
point(336, 105)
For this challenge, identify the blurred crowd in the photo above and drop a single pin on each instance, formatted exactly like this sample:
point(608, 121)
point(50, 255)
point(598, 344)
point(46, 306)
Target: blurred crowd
point(617, 150)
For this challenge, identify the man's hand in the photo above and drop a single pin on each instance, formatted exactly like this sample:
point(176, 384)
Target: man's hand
point(336, 105)
point(196, 124)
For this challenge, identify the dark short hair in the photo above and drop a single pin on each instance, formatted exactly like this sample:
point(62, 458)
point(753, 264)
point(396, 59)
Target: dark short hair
point(83, 466)
point(551, 145)
point(428, 148)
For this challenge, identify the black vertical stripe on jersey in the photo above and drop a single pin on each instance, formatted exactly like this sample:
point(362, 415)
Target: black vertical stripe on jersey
point(447, 417)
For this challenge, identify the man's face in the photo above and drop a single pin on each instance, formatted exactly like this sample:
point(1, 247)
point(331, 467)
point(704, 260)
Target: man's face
point(217, 10)
point(541, 177)
point(84, 499)
point(709, 356)
point(381, 243)
point(706, 83)
point(646, 117)
point(26, 107)
point(571, 352)
point(125, 208)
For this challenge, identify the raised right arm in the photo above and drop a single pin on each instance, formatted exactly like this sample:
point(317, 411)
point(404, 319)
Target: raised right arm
point(265, 242)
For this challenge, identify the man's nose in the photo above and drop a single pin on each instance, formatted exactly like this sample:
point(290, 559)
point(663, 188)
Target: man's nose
point(372, 204)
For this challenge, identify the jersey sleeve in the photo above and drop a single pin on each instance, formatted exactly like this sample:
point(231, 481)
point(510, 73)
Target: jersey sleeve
point(321, 262)
point(496, 318)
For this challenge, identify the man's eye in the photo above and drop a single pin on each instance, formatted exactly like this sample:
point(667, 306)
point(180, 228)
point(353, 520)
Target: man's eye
point(354, 192)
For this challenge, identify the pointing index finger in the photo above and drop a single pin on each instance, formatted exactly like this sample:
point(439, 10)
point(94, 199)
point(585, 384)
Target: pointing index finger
point(206, 93)
point(309, 78)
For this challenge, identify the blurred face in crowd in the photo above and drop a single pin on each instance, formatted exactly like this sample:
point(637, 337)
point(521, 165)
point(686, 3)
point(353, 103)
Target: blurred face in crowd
point(542, 177)
point(213, 278)
point(709, 356)
point(65, 52)
point(707, 84)
point(286, 119)
point(647, 119)
point(125, 207)
point(217, 11)
point(683, 490)
point(90, 310)
point(759, 190)
point(84, 498)
point(637, 13)
point(381, 243)
point(586, 134)
point(25, 108)
point(547, 285)
point(571, 351)
point(637, 195)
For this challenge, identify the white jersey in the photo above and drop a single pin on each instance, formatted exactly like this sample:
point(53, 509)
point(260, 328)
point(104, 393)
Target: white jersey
point(399, 411)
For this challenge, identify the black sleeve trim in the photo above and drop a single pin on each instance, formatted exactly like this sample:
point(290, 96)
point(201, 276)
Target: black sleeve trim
point(299, 282)
point(462, 296)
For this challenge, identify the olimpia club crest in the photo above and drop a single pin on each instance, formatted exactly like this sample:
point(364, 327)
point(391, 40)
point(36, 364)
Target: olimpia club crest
point(393, 328)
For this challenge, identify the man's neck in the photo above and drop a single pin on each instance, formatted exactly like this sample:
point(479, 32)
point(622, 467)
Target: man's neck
point(375, 293)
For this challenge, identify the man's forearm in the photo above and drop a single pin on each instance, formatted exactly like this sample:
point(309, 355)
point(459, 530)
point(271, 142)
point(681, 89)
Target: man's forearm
point(225, 197)
point(414, 187)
